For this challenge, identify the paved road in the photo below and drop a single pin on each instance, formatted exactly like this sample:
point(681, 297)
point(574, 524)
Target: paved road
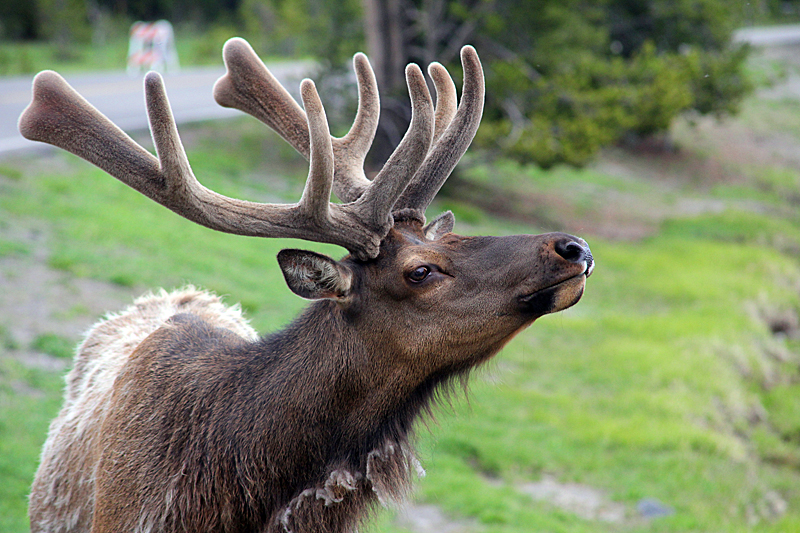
point(769, 35)
point(121, 98)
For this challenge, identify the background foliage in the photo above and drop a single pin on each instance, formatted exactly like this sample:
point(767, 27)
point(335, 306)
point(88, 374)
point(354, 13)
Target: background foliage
point(564, 77)
point(569, 77)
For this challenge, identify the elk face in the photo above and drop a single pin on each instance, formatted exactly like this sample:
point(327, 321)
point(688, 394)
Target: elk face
point(447, 300)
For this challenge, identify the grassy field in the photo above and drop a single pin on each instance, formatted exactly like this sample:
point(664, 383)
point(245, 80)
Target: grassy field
point(673, 385)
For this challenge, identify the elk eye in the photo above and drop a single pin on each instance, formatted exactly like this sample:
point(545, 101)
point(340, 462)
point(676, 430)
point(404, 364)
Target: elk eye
point(419, 274)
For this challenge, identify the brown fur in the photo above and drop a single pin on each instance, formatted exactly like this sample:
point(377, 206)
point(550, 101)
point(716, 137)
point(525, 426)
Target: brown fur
point(63, 493)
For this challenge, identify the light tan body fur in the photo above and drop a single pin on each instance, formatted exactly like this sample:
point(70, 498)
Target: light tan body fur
point(62, 496)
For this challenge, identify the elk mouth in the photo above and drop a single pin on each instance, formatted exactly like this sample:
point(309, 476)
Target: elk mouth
point(555, 297)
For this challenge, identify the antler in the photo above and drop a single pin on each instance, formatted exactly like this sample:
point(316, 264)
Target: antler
point(60, 116)
point(452, 142)
point(248, 86)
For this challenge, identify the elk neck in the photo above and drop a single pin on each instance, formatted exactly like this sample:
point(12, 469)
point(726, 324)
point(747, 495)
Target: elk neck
point(343, 383)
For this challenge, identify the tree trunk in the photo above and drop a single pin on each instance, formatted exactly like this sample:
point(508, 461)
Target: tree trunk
point(384, 21)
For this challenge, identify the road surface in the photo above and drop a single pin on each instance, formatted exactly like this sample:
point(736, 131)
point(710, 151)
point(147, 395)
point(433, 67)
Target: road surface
point(769, 35)
point(121, 98)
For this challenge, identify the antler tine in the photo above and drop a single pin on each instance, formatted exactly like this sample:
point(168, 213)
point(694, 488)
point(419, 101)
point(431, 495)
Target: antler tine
point(455, 140)
point(351, 150)
point(446, 102)
point(317, 193)
point(249, 86)
point(175, 186)
point(315, 203)
point(406, 159)
point(58, 115)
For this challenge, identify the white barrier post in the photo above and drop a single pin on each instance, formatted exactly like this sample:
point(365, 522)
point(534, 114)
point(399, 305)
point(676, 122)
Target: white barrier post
point(152, 47)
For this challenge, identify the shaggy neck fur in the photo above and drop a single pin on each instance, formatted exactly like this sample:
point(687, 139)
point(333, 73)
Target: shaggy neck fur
point(364, 417)
point(347, 413)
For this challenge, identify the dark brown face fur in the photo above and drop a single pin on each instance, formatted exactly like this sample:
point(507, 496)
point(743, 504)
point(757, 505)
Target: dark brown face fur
point(452, 302)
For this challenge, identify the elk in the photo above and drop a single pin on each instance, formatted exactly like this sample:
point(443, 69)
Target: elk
point(178, 417)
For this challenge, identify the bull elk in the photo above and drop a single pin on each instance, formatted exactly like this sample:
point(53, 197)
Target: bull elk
point(179, 417)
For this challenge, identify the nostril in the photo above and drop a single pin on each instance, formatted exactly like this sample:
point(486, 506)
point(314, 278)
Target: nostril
point(571, 251)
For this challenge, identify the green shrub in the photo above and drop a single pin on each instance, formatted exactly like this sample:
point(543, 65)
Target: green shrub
point(573, 77)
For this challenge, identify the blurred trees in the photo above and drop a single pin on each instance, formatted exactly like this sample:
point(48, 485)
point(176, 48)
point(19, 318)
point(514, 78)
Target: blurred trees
point(18, 20)
point(564, 77)
point(331, 31)
point(73, 19)
point(589, 73)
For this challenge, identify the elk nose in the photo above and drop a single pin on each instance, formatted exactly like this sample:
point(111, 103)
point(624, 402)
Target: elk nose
point(576, 251)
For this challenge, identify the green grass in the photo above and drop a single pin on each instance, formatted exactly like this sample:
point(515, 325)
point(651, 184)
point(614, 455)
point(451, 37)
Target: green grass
point(661, 383)
point(55, 345)
point(28, 401)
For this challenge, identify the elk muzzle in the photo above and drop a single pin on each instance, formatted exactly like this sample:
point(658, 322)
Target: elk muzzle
point(572, 264)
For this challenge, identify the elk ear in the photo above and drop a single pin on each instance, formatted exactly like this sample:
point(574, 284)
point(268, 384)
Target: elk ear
point(315, 276)
point(439, 226)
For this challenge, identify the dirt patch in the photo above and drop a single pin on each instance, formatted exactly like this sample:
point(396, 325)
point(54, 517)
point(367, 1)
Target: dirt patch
point(582, 500)
point(37, 300)
point(426, 518)
point(590, 503)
